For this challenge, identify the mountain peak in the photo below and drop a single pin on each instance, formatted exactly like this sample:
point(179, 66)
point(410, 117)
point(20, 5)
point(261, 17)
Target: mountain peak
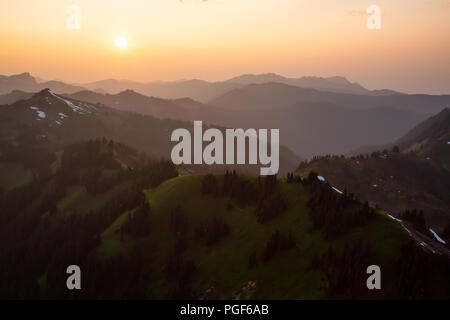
point(339, 79)
point(338, 84)
point(128, 92)
point(43, 92)
point(19, 79)
point(24, 74)
point(257, 78)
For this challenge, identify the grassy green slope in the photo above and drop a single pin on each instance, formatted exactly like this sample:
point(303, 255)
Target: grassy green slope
point(222, 268)
point(79, 200)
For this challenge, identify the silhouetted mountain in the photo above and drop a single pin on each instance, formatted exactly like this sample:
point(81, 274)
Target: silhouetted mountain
point(331, 84)
point(179, 109)
point(247, 79)
point(196, 89)
point(14, 96)
point(59, 87)
point(317, 123)
point(384, 92)
point(310, 127)
point(205, 91)
point(113, 85)
point(58, 120)
point(25, 82)
point(275, 95)
point(54, 121)
point(312, 122)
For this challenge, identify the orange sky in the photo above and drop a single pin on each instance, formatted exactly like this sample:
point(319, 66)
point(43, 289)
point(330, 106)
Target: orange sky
point(217, 39)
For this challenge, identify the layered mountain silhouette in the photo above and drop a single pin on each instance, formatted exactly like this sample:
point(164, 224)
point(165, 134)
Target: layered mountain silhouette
point(312, 122)
point(14, 96)
point(101, 193)
point(309, 128)
point(196, 89)
point(180, 109)
point(25, 82)
point(204, 91)
point(317, 122)
point(329, 84)
point(54, 120)
point(275, 95)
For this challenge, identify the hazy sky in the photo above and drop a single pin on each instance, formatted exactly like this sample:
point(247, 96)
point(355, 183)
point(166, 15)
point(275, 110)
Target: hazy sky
point(217, 39)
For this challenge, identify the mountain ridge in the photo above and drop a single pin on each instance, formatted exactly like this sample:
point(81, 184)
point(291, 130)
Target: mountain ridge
point(196, 89)
point(437, 126)
point(413, 172)
point(26, 82)
point(337, 84)
point(54, 120)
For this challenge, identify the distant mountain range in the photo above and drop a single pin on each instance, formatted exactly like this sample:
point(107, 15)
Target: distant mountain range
point(312, 122)
point(14, 96)
point(329, 84)
point(317, 122)
point(85, 179)
point(25, 82)
point(54, 121)
point(275, 95)
point(128, 100)
point(205, 91)
point(196, 89)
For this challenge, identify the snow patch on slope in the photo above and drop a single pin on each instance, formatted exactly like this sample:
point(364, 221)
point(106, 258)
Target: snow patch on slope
point(80, 107)
point(337, 190)
point(40, 114)
point(436, 236)
point(334, 188)
point(393, 218)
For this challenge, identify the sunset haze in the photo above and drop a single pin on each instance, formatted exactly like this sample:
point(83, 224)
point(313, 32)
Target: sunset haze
point(218, 39)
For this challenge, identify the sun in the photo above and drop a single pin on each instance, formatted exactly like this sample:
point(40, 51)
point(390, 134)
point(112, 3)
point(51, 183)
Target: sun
point(121, 42)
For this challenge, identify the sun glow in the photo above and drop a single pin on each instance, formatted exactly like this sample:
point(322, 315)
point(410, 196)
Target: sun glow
point(121, 42)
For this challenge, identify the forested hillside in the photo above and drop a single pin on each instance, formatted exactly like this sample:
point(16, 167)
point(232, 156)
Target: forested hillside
point(137, 230)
